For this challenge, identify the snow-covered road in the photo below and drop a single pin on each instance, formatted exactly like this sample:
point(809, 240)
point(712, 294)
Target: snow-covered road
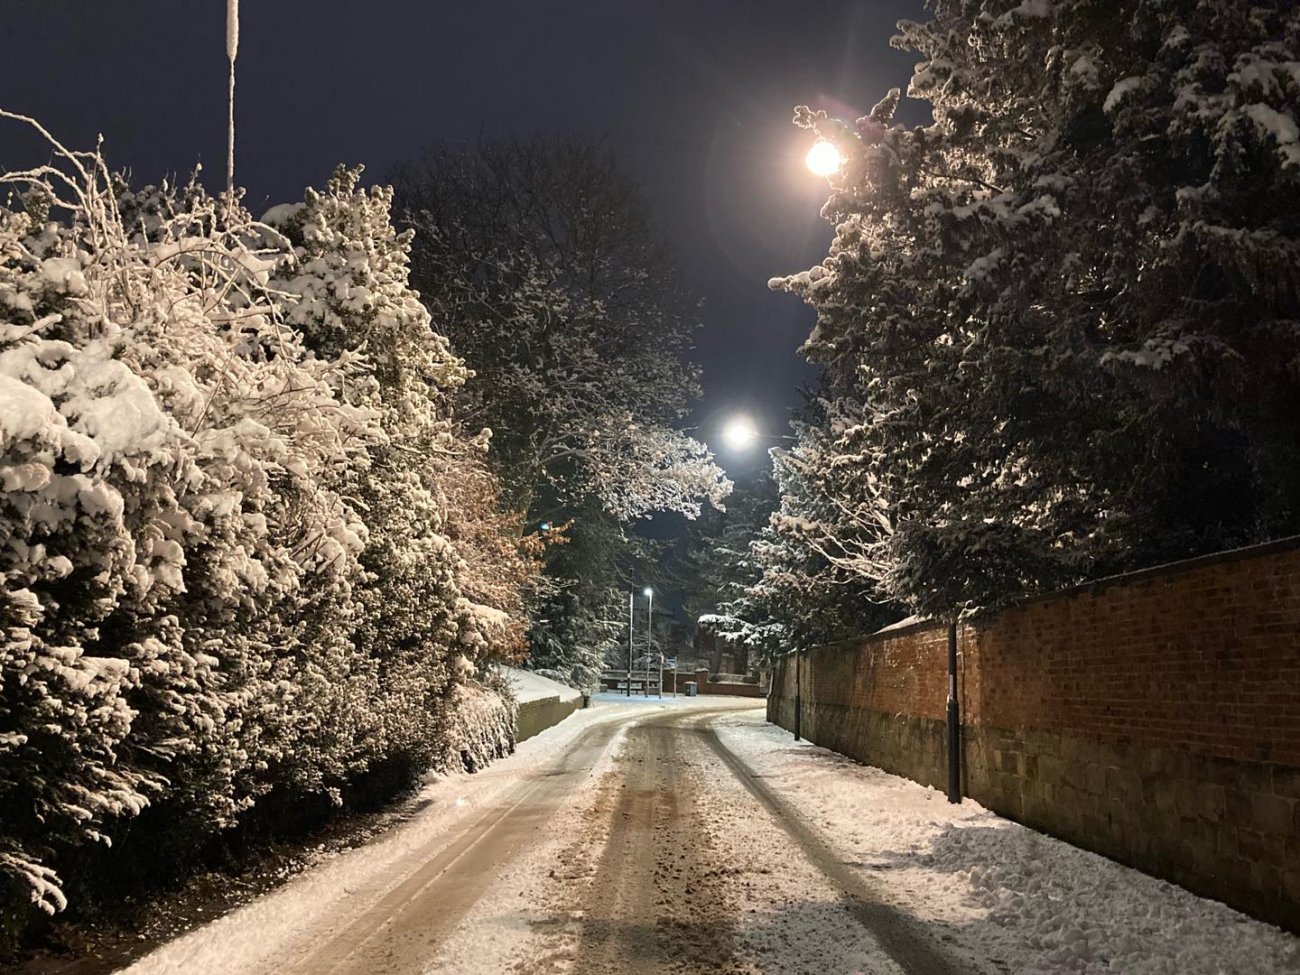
point(694, 837)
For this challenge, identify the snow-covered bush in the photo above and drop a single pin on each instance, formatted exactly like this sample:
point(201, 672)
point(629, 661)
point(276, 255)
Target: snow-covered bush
point(244, 548)
point(424, 484)
point(177, 570)
point(483, 726)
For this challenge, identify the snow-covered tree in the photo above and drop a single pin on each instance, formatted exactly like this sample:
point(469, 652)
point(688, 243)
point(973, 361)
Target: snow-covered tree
point(536, 260)
point(719, 566)
point(347, 278)
point(578, 607)
point(247, 555)
point(268, 581)
point(177, 571)
point(1057, 324)
point(797, 591)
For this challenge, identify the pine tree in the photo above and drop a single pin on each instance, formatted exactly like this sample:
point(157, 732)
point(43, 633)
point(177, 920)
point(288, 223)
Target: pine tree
point(1056, 325)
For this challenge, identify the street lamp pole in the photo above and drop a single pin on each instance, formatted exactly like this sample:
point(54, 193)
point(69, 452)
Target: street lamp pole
point(649, 634)
point(631, 618)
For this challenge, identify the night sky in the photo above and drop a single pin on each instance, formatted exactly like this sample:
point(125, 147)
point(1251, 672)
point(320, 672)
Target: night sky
point(695, 97)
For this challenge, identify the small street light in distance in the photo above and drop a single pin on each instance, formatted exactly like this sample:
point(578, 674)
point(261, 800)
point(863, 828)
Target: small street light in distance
point(823, 158)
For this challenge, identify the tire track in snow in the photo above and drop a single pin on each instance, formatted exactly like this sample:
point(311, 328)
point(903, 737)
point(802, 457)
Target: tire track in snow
point(903, 938)
point(682, 870)
point(403, 929)
point(649, 909)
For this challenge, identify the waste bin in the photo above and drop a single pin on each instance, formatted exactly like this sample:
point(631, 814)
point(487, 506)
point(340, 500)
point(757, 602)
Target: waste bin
point(692, 688)
point(586, 699)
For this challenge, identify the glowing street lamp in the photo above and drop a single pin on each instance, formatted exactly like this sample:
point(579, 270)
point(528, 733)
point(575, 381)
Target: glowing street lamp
point(740, 433)
point(824, 158)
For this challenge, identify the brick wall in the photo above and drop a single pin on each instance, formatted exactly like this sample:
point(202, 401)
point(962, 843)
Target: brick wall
point(1153, 717)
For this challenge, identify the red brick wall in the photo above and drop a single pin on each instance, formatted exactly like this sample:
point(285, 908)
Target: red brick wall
point(1202, 657)
point(898, 673)
point(1153, 717)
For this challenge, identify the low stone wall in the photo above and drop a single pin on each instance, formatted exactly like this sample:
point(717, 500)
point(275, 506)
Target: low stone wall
point(705, 684)
point(538, 715)
point(710, 685)
point(1153, 718)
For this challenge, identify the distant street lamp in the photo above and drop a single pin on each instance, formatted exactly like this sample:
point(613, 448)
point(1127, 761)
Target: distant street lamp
point(824, 158)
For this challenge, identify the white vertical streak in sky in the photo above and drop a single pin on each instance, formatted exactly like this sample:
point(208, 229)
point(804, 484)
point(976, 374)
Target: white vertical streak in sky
point(232, 50)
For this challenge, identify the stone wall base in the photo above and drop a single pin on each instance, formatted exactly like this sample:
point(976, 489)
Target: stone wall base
point(1223, 829)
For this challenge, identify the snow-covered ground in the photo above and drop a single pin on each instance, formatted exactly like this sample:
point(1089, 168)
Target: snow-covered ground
point(626, 840)
point(995, 890)
point(286, 921)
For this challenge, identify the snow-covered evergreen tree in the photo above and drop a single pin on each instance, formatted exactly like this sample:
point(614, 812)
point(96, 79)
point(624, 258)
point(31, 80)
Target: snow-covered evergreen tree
point(720, 567)
point(1057, 325)
point(348, 282)
point(537, 261)
point(799, 591)
point(176, 571)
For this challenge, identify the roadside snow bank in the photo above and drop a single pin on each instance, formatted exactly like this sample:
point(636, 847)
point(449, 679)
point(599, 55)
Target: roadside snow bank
point(1022, 901)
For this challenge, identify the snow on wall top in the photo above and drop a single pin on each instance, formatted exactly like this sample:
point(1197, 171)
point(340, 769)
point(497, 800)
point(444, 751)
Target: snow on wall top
point(534, 687)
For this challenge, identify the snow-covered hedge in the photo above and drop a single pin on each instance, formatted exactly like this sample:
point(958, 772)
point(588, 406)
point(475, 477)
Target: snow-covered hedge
point(226, 464)
point(484, 727)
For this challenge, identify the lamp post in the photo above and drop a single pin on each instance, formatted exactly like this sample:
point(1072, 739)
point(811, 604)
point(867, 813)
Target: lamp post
point(631, 618)
point(649, 634)
point(954, 720)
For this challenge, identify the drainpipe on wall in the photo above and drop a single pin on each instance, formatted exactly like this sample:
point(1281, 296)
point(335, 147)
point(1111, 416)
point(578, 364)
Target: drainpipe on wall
point(954, 721)
point(798, 688)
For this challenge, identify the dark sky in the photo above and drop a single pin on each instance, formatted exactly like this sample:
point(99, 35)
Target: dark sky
point(696, 98)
